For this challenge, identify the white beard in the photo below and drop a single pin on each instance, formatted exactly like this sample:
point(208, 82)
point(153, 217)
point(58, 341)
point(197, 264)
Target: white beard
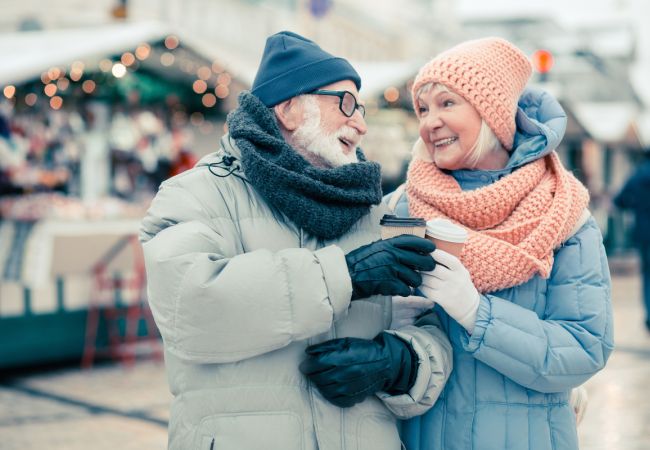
point(310, 137)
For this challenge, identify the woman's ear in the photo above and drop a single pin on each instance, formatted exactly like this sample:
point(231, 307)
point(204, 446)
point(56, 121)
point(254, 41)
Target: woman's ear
point(289, 113)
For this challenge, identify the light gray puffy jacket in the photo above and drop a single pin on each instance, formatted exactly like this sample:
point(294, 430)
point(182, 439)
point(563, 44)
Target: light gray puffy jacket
point(238, 292)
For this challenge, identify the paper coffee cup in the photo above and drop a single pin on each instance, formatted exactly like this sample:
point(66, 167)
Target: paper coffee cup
point(392, 226)
point(446, 235)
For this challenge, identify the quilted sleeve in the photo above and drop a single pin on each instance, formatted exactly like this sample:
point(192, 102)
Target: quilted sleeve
point(573, 339)
point(213, 303)
point(432, 346)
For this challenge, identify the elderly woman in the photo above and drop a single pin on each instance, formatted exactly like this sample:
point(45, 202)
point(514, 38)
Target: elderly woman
point(527, 304)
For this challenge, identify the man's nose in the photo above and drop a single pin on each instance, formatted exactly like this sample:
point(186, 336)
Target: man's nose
point(358, 122)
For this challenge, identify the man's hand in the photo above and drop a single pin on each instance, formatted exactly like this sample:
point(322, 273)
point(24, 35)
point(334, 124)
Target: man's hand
point(348, 370)
point(389, 267)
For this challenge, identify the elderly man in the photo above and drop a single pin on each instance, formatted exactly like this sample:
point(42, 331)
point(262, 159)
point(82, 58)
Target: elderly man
point(267, 276)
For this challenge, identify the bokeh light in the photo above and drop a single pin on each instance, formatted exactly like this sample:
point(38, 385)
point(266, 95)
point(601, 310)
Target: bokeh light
point(142, 52)
point(119, 70)
point(9, 91)
point(209, 100)
point(88, 86)
point(171, 42)
point(30, 99)
point(50, 90)
point(56, 102)
point(221, 91)
point(167, 59)
point(199, 86)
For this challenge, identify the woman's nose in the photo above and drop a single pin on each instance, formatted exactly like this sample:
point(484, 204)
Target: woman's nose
point(431, 122)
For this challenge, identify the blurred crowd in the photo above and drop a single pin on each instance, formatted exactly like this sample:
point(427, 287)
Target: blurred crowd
point(87, 154)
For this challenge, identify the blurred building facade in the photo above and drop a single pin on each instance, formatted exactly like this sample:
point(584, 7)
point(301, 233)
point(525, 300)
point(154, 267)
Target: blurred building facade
point(608, 129)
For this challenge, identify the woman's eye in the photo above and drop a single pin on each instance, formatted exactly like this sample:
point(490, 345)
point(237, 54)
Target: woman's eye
point(421, 110)
point(447, 103)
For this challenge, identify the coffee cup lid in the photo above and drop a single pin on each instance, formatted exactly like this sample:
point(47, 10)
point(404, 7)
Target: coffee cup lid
point(394, 221)
point(446, 230)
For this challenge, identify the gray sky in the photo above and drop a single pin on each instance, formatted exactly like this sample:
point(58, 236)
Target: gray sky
point(566, 11)
point(580, 12)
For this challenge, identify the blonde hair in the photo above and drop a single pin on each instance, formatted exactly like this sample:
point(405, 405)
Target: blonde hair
point(486, 140)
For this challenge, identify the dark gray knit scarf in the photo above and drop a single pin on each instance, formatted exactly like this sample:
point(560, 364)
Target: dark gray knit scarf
point(324, 202)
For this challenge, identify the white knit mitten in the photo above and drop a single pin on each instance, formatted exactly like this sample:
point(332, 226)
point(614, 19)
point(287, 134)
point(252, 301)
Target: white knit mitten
point(407, 309)
point(450, 285)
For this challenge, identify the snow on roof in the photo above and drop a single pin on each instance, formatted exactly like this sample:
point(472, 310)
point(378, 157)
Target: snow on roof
point(25, 55)
point(606, 121)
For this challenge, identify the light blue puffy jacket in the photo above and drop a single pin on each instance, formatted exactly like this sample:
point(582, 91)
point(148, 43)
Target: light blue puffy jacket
point(532, 343)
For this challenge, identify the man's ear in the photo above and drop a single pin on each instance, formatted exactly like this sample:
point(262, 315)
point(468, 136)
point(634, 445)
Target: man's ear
point(289, 113)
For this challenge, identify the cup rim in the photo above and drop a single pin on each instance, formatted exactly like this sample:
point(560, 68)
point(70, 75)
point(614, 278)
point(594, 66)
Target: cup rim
point(446, 230)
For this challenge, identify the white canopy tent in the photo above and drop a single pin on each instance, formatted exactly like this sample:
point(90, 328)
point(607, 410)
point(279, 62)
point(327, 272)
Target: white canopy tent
point(606, 121)
point(27, 54)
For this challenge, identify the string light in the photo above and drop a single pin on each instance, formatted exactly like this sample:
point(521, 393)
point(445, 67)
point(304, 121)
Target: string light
point(77, 66)
point(224, 79)
point(391, 94)
point(105, 65)
point(204, 73)
point(127, 59)
point(209, 100)
point(119, 70)
point(171, 42)
point(54, 73)
point(63, 84)
point(50, 90)
point(30, 99)
point(76, 74)
point(142, 52)
point(167, 59)
point(221, 91)
point(88, 86)
point(199, 86)
point(56, 102)
point(9, 91)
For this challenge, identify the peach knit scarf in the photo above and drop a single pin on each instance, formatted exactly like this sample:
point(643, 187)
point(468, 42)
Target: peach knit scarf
point(514, 224)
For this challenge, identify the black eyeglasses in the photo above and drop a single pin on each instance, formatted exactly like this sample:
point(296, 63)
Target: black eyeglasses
point(347, 101)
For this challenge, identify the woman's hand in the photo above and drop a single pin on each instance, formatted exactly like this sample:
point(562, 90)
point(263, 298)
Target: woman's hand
point(450, 285)
point(407, 309)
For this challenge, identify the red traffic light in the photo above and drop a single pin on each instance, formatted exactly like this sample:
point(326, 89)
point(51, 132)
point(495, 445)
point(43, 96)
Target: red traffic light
point(543, 61)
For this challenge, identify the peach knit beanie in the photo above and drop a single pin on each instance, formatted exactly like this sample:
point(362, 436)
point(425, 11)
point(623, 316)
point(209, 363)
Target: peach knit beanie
point(490, 73)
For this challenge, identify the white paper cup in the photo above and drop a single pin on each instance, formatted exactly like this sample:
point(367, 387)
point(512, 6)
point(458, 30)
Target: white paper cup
point(447, 236)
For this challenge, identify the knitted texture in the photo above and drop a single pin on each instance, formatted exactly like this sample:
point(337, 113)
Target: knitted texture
point(489, 73)
point(324, 202)
point(293, 65)
point(514, 224)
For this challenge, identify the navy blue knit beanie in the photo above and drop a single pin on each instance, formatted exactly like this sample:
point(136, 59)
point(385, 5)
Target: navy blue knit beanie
point(293, 65)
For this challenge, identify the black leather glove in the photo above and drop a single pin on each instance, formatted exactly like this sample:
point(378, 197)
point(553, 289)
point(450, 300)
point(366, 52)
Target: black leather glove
point(348, 370)
point(389, 267)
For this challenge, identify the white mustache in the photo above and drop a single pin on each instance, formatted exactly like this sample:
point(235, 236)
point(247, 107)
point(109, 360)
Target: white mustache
point(349, 134)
